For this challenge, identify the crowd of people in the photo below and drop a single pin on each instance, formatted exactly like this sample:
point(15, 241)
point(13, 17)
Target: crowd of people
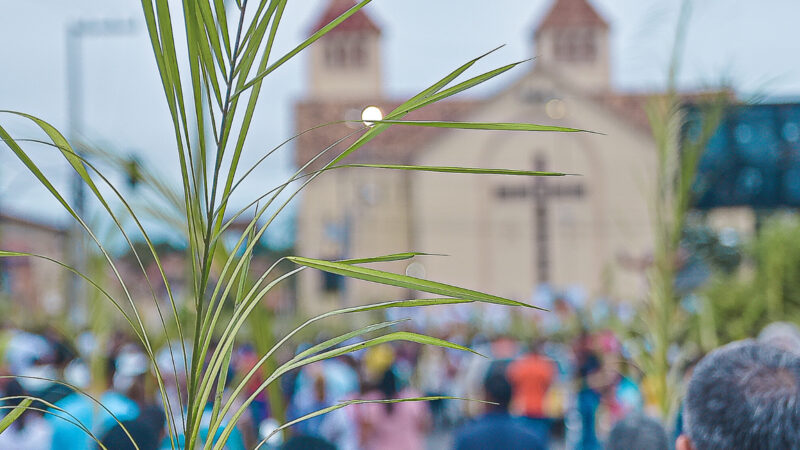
point(578, 392)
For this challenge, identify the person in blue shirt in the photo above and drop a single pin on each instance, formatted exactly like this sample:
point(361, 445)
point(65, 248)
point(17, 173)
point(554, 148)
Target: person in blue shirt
point(126, 372)
point(497, 428)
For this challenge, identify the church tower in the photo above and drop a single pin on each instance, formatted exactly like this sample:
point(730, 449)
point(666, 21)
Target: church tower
point(346, 62)
point(572, 42)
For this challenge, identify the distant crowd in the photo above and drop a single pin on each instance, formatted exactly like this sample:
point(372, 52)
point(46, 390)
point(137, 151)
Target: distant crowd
point(544, 393)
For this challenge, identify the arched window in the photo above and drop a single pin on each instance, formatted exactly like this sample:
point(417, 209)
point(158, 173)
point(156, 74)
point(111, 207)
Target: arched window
point(358, 55)
point(560, 41)
point(345, 53)
point(332, 54)
point(575, 45)
point(588, 49)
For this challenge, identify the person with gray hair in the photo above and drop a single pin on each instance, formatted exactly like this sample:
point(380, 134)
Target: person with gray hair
point(744, 395)
point(637, 431)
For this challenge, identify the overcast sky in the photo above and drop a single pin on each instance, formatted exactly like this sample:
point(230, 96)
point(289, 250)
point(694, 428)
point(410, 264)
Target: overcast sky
point(753, 44)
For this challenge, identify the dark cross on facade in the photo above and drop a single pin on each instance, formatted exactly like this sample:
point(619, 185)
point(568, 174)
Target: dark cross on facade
point(541, 191)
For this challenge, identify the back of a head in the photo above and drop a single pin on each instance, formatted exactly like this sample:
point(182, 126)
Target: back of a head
point(744, 395)
point(388, 386)
point(496, 385)
point(304, 442)
point(147, 430)
point(144, 436)
point(637, 431)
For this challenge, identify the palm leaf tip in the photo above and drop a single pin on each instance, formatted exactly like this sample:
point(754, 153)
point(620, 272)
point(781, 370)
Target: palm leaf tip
point(404, 281)
point(387, 258)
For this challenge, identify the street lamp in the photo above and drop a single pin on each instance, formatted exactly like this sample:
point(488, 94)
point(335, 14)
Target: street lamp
point(76, 31)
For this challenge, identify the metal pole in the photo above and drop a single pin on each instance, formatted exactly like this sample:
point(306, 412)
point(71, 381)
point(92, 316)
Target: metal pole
point(76, 248)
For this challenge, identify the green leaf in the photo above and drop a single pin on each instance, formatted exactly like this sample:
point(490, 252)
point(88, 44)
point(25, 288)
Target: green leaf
point(6, 421)
point(392, 279)
point(54, 409)
point(10, 254)
point(313, 38)
point(418, 102)
point(201, 46)
point(436, 87)
point(480, 125)
point(460, 87)
point(359, 402)
point(276, 8)
point(60, 142)
point(212, 44)
point(386, 258)
point(78, 163)
point(347, 336)
point(355, 309)
point(291, 365)
point(386, 338)
point(447, 169)
point(397, 304)
point(222, 19)
point(69, 419)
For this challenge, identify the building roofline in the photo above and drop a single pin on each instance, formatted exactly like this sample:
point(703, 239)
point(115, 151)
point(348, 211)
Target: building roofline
point(571, 13)
point(359, 21)
point(32, 223)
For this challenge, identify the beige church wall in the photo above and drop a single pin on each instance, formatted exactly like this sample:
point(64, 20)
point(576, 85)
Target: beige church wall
point(620, 171)
point(493, 246)
point(450, 217)
point(373, 203)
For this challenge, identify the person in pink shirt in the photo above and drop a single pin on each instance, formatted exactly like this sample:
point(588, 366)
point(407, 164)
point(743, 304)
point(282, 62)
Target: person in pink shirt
point(389, 426)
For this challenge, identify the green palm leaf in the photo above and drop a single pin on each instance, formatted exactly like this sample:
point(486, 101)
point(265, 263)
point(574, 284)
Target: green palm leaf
point(464, 170)
point(359, 402)
point(480, 126)
point(12, 416)
point(403, 281)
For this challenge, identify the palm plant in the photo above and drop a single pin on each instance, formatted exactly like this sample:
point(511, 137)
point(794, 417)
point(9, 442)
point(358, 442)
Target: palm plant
point(662, 321)
point(216, 85)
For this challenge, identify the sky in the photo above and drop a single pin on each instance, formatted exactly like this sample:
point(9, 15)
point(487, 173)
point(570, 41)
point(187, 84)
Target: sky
point(753, 45)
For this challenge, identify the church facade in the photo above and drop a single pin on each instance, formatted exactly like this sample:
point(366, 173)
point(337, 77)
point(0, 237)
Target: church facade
point(503, 235)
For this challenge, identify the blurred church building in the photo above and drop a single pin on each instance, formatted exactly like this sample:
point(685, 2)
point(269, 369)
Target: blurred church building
point(502, 235)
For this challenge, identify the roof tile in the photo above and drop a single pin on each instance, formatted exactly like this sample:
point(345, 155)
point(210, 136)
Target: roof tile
point(360, 21)
point(572, 13)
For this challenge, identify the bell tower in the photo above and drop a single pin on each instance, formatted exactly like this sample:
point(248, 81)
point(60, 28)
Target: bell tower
point(573, 42)
point(346, 62)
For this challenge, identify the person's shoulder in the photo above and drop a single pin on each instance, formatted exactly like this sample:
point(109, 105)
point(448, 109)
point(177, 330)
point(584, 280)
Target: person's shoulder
point(492, 425)
point(472, 427)
point(492, 430)
point(468, 435)
point(525, 432)
point(520, 431)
